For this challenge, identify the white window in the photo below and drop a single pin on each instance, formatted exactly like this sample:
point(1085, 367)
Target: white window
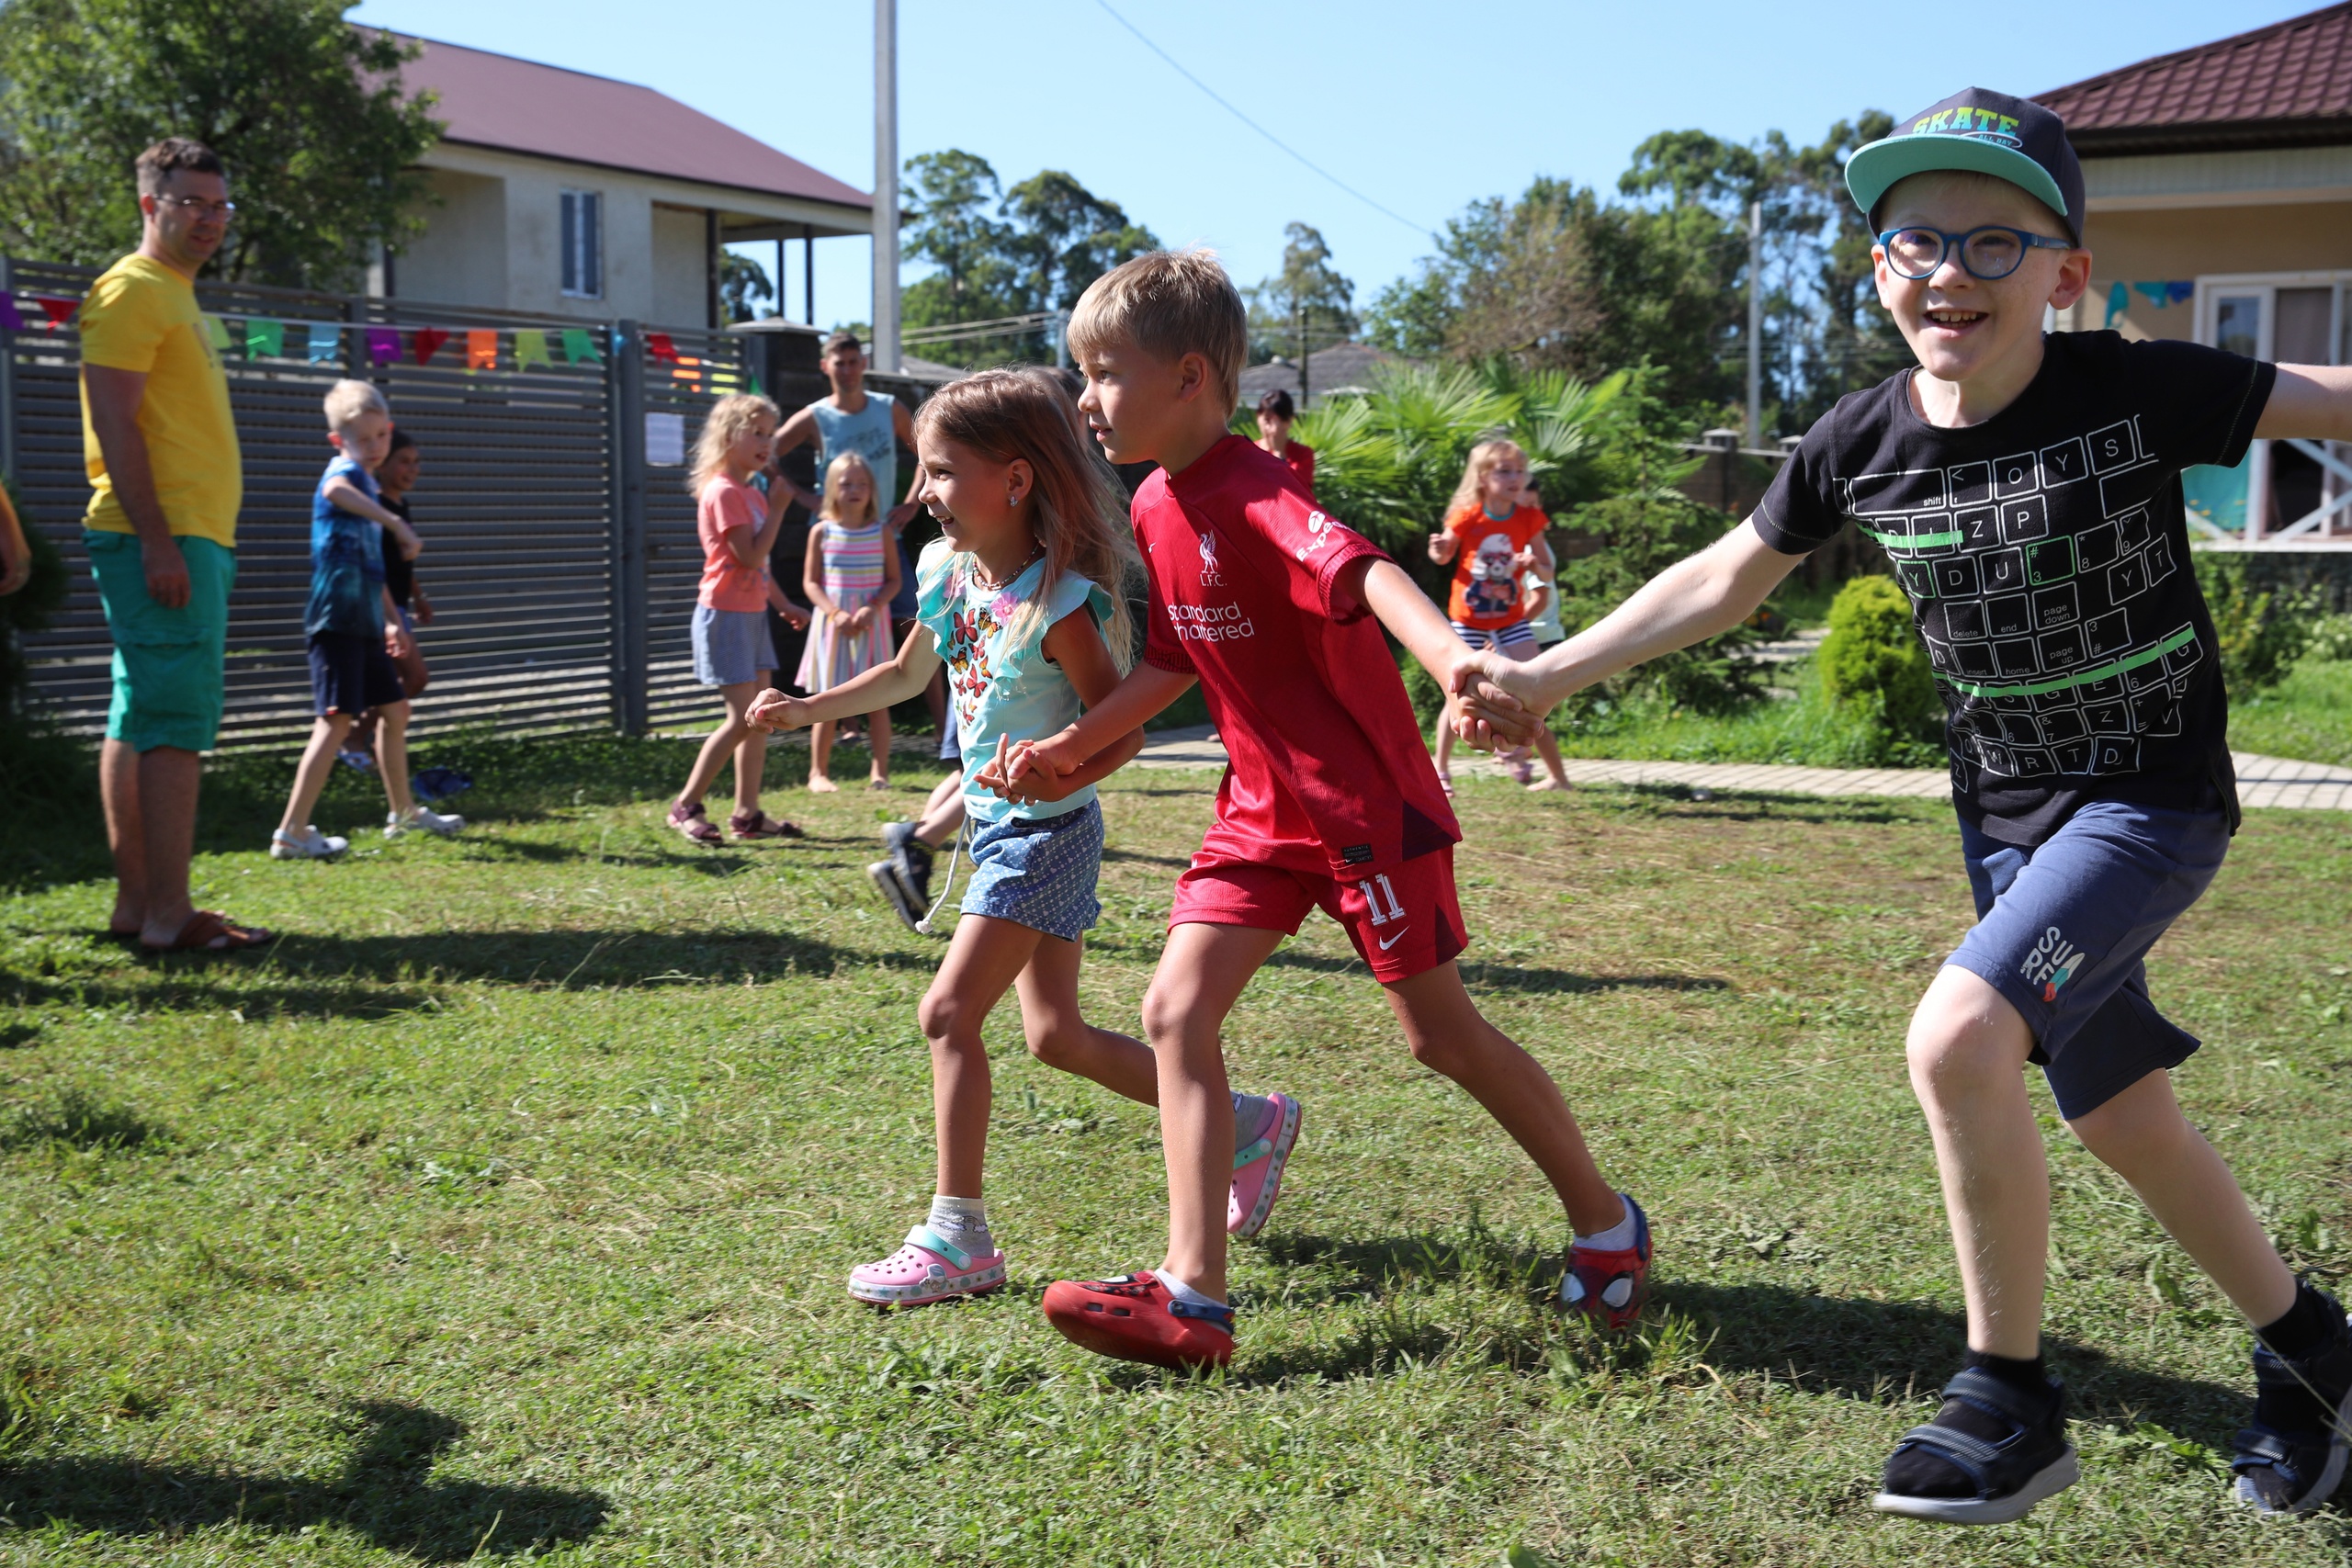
point(584, 244)
point(2293, 493)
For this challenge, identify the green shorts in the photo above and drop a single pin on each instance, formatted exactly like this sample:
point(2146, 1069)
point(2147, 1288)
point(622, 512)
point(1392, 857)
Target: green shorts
point(167, 663)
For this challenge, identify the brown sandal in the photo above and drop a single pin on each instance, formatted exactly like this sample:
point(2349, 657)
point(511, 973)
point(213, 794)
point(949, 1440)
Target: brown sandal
point(208, 931)
point(693, 824)
point(759, 825)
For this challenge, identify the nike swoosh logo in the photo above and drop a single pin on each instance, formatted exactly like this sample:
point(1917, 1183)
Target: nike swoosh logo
point(1392, 941)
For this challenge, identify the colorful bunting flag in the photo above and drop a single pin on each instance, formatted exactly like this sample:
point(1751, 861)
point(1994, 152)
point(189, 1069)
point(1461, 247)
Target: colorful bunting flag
point(383, 345)
point(660, 347)
point(428, 340)
point(2118, 298)
point(326, 344)
point(9, 317)
point(264, 339)
point(757, 391)
point(217, 331)
point(580, 348)
point(2162, 292)
point(481, 350)
point(531, 348)
point(2181, 289)
point(59, 311)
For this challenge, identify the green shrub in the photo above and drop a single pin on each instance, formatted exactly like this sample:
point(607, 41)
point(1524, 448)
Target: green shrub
point(2330, 639)
point(1873, 660)
point(1640, 535)
point(2262, 631)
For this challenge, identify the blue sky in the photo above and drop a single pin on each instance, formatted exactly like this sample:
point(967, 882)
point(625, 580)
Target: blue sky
point(1424, 108)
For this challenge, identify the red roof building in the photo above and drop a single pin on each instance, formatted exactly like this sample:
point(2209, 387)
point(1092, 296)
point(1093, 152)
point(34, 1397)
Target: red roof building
point(565, 192)
point(2219, 184)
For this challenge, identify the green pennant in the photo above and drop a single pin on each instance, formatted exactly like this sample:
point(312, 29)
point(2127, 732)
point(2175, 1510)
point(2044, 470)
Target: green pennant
point(580, 348)
point(264, 340)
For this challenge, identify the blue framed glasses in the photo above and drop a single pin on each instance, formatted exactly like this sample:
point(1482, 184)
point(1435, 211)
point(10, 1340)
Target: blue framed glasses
point(1990, 253)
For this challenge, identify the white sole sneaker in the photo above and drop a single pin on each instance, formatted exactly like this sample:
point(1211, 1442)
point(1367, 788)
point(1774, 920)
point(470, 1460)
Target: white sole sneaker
point(2047, 1482)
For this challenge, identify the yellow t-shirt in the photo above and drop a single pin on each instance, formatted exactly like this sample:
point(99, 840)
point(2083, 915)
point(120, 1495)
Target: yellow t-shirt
point(140, 315)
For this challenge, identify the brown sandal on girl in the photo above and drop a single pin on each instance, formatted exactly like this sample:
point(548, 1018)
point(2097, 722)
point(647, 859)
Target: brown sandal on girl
point(691, 821)
point(759, 825)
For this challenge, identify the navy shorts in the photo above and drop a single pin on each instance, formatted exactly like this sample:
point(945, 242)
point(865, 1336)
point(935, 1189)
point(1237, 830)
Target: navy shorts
point(2062, 931)
point(731, 646)
point(350, 673)
point(1038, 872)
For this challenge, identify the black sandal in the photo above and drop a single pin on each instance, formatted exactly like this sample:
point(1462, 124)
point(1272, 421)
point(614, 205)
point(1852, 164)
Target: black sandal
point(2292, 1471)
point(2033, 1461)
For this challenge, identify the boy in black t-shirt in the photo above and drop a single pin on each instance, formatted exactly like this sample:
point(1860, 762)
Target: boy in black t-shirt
point(2027, 491)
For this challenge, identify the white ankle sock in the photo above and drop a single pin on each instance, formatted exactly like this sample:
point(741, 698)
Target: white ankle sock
point(1184, 1293)
point(964, 1221)
point(1617, 1237)
point(1253, 1117)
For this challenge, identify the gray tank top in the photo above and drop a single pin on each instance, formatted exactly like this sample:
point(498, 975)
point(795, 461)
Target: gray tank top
point(871, 433)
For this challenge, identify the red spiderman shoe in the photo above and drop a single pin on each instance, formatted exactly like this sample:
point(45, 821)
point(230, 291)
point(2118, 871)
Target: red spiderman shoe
point(1610, 1286)
point(1132, 1317)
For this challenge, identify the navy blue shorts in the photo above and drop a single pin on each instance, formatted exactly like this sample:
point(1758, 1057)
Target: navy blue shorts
point(350, 673)
point(2062, 931)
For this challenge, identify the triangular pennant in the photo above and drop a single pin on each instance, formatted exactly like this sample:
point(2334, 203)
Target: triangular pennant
point(59, 311)
point(2118, 298)
point(428, 340)
point(580, 348)
point(660, 347)
point(217, 331)
point(481, 350)
point(531, 348)
point(10, 317)
point(757, 391)
point(264, 339)
point(383, 345)
point(2152, 292)
point(2181, 291)
point(326, 344)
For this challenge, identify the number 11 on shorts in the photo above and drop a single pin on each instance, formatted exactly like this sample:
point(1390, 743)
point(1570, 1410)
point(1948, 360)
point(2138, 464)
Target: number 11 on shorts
point(1374, 886)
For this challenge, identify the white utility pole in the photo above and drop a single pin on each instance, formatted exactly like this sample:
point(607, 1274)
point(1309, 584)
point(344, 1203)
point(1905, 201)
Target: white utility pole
point(1755, 324)
point(885, 185)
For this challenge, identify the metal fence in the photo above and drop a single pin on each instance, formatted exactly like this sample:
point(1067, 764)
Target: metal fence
point(560, 553)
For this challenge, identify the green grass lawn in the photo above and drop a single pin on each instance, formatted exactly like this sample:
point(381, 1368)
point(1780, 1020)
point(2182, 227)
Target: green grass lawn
point(504, 1208)
point(2307, 715)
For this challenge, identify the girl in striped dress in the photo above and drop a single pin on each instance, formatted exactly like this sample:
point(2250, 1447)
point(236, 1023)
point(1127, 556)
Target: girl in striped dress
point(851, 573)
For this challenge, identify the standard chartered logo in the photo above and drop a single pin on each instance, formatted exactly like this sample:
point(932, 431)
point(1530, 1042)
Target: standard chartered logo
point(1210, 623)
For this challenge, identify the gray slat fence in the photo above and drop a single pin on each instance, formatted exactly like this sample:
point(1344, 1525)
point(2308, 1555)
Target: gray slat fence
point(562, 565)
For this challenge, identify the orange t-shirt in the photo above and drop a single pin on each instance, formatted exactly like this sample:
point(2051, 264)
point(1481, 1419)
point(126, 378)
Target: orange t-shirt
point(725, 505)
point(1485, 584)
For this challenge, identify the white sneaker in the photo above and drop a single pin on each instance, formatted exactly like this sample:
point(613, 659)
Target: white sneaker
point(422, 817)
point(309, 844)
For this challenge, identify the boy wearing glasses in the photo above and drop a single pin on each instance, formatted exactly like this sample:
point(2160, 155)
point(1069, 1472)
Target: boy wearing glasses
point(2028, 491)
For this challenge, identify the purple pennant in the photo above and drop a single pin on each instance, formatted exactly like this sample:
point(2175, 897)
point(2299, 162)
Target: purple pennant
point(10, 317)
point(383, 345)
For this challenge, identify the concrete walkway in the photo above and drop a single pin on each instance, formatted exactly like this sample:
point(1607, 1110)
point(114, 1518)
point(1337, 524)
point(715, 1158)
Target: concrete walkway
point(2262, 781)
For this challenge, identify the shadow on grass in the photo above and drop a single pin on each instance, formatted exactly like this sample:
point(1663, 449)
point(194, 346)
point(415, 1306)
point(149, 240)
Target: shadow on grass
point(16, 1036)
point(1509, 977)
point(82, 1122)
point(384, 1492)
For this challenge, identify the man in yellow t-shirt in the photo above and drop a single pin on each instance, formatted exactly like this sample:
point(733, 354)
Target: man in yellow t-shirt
point(162, 534)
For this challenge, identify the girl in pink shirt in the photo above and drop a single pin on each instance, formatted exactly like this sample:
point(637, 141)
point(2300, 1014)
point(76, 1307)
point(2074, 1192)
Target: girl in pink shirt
point(733, 648)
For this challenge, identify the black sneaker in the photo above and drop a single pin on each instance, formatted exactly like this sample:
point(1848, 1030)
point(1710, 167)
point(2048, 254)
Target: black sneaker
point(2006, 1475)
point(2292, 1459)
point(904, 875)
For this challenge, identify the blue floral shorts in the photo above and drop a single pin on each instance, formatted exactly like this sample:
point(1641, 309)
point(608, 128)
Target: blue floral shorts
point(1039, 871)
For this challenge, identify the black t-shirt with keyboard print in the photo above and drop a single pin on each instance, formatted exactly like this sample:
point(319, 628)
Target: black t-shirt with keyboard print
point(2045, 553)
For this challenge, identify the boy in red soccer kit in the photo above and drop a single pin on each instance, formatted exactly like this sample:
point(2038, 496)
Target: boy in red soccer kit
point(1331, 802)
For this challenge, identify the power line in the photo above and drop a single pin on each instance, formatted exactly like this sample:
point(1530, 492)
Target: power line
point(1215, 97)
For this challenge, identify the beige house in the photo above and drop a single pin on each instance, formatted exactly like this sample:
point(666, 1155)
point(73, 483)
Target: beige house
point(566, 194)
point(2219, 182)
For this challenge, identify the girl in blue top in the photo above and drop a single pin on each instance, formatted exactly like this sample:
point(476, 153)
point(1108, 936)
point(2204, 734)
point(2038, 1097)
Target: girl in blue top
point(1024, 600)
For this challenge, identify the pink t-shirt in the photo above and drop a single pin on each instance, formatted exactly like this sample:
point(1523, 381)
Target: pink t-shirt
point(726, 583)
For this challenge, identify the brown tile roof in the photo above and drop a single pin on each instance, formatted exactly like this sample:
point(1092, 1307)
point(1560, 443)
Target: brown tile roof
point(2286, 85)
point(521, 105)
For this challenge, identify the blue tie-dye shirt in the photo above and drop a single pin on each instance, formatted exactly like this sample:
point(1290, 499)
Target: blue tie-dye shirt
point(346, 559)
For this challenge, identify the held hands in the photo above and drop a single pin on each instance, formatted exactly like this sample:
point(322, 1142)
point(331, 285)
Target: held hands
point(1032, 770)
point(1494, 701)
point(398, 644)
point(772, 710)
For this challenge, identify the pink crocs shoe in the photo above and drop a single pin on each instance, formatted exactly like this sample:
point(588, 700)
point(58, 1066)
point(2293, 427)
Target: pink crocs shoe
point(1258, 1170)
point(1610, 1287)
point(928, 1269)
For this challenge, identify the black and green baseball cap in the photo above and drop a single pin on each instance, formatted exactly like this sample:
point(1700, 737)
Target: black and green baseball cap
point(1991, 133)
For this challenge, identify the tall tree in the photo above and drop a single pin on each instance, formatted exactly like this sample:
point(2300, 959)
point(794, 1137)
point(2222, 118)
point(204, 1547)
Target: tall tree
point(950, 223)
point(1307, 305)
point(743, 286)
point(1064, 237)
point(307, 112)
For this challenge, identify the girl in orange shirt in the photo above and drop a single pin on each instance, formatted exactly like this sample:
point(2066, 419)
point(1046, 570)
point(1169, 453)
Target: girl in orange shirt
point(1492, 539)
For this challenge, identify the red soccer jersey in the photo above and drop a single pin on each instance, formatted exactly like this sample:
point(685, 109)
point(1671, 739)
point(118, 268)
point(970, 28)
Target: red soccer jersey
point(1329, 773)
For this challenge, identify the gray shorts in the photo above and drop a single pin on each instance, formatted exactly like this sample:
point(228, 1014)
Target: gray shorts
point(731, 646)
point(2063, 930)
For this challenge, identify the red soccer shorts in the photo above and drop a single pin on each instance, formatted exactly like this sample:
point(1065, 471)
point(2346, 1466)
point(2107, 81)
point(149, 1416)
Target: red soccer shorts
point(1404, 921)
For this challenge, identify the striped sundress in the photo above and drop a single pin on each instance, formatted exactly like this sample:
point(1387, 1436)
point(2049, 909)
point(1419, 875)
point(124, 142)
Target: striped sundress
point(853, 575)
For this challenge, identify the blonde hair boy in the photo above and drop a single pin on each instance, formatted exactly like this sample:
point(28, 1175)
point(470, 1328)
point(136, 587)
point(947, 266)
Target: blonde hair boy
point(1169, 304)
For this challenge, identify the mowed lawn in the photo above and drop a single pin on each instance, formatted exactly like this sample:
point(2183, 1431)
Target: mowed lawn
point(504, 1209)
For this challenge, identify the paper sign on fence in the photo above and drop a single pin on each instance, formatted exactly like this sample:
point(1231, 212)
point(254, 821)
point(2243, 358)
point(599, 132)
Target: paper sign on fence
point(665, 440)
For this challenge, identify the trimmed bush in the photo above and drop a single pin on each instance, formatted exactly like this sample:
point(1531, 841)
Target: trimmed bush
point(2262, 630)
point(1873, 658)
